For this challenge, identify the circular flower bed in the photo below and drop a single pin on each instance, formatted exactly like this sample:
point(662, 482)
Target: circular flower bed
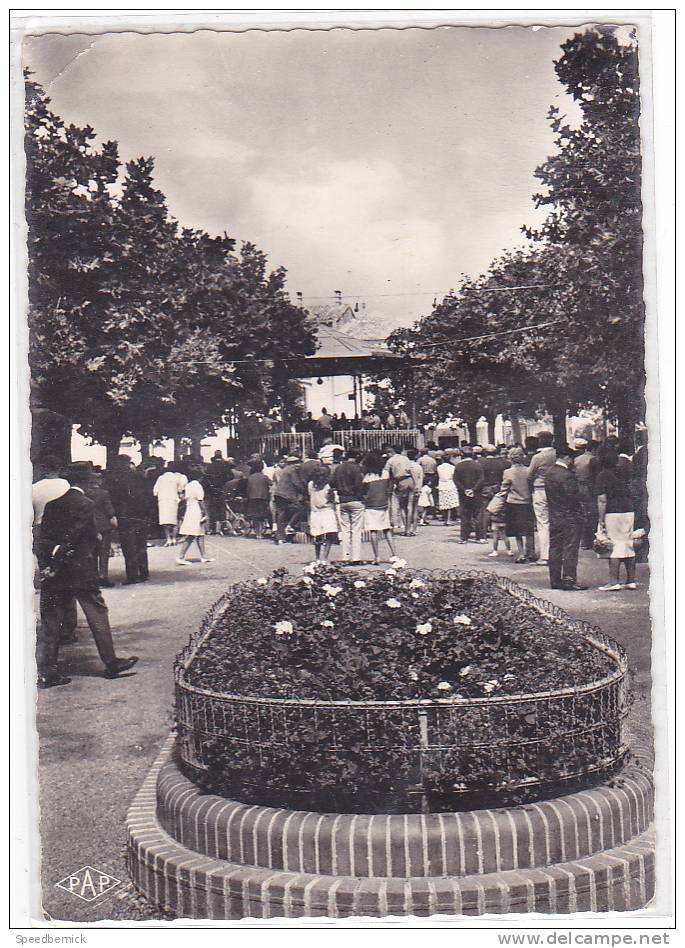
point(395, 690)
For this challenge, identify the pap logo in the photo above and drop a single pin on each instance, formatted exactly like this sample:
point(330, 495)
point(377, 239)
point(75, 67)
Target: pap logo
point(88, 883)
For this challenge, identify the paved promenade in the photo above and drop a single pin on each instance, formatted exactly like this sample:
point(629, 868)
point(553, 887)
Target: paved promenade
point(98, 738)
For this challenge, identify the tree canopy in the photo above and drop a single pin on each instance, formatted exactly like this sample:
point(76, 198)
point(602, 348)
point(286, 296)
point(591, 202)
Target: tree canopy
point(139, 326)
point(560, 324)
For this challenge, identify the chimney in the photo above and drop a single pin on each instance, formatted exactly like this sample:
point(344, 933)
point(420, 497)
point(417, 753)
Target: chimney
point(338, 297)
point(299, 297)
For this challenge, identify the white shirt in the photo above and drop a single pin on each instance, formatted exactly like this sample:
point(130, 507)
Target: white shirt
point(326, 452)
point(42, 492)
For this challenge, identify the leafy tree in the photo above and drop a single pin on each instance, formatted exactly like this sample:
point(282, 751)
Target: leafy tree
point(592, 187)
point(579, 281)
point(138, 327)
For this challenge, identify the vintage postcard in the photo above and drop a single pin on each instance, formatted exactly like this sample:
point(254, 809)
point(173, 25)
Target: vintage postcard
point(342, 548)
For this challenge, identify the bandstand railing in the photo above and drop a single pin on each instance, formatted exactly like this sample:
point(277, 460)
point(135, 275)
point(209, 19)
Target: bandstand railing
point(284, 442)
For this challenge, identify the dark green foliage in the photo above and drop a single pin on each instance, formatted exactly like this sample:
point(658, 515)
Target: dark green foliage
point(326, 639)
point(138, 326)
point(582, 272)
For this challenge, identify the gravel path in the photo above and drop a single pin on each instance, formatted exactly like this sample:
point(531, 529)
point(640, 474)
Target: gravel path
point(98, 738)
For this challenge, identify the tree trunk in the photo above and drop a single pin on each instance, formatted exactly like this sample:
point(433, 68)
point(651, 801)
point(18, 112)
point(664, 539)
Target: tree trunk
point(112, 444)
point(516, 435)
point(559, 424)
point(471, 425)
point(491, 427)
point(625, 422)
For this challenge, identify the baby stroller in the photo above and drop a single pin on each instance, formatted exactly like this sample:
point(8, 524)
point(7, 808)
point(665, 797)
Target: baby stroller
point(235, 523)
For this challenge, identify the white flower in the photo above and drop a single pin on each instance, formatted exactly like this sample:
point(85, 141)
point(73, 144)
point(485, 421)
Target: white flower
point(397, 563)
point(307, 580)
point(393, 603)
point(413, 676)
point(390, 572)
point(425, 629)
point(466, 671)
point(284, 628)
point(327, 624)
point(509, 678)
point(331, 590)
point(444, 686)
point(417, 584)
point(461, 620)
point(359, 584)
point(262, 581)
point(493, 682)
point(488, 686)
point(312, 567)
point(415, 596)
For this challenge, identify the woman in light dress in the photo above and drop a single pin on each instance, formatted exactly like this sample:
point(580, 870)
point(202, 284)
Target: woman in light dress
point(448, 498)
point(323, 518)
point(193, 525)
point(168, 490)
point(377, 488)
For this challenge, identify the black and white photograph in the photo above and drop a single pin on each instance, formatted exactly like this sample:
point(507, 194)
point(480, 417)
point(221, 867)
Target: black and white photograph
point(338, 376)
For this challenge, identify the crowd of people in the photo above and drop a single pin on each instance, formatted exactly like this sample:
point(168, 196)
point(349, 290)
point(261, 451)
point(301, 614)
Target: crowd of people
point(548, 499)
point(369, 420)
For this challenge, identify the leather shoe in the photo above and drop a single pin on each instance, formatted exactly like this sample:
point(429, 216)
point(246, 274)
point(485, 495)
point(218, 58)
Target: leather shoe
point(120, 665)
point(107, 584)
point(571, 586)
point(52, 681)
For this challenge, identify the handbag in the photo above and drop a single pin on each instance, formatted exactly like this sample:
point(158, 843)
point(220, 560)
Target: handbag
point(602, 545)
point(497, 505)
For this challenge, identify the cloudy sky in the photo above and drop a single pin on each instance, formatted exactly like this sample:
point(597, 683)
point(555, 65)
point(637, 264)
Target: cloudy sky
point(383, 163)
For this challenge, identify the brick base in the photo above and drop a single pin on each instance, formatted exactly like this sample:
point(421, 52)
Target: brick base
point(200, 856)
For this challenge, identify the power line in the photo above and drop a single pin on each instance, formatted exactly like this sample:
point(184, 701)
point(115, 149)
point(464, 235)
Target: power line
point(480, 289)
point(433, 345)
point(499, 332)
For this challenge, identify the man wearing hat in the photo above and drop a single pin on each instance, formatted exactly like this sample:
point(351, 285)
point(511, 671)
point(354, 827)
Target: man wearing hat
point(586, 470)
point(565, 520)
point(67, 556)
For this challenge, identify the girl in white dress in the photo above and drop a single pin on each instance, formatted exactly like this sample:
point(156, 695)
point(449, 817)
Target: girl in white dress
point(168, 490)
point(193, 525)
point(323, 519)
point(448, 498)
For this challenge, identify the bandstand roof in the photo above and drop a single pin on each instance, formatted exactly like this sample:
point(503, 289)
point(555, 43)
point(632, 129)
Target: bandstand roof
point(338, 353)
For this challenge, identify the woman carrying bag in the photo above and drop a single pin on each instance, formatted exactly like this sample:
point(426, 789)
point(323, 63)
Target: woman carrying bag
point(518, 508)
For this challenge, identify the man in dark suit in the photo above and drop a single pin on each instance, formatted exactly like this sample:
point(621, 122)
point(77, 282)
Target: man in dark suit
point(468, 476)
point(130, 497)
point(67, 556)
point(566, 517)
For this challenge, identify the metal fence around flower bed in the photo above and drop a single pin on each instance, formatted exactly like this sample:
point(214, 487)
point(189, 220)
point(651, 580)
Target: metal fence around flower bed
point(412, 754)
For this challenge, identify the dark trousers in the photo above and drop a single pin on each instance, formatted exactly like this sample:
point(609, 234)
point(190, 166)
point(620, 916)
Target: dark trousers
point(56, 605)
point(287, 514)
point(470, 516)
point(590, 517)
point(103, 549)
point(564, 543)
point(216, 510)
point(133, 538)
point(487, 493)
